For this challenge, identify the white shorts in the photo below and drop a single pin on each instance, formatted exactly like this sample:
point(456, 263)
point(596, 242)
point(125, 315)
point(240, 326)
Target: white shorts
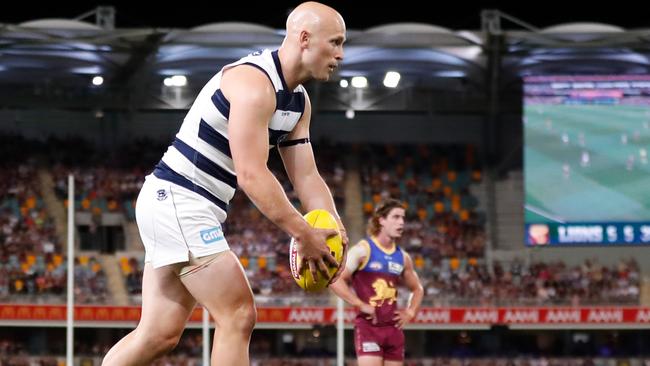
point(174, 221)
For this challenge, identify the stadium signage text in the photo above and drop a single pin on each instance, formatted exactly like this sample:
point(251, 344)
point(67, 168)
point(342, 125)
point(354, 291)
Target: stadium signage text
point(328, 315)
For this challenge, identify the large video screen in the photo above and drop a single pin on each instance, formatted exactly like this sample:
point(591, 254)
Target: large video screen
point(586, 170)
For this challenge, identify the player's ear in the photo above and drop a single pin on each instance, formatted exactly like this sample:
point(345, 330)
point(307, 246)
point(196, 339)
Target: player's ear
point(305, 36)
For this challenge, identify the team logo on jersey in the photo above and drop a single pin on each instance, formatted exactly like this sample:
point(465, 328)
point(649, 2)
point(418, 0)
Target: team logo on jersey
point(211, 235)
point(385, 292)
point(394, 267)
point(161, 195)
point(374, 265)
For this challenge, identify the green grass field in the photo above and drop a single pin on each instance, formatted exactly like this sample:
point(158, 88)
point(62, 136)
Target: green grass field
point(562, 185)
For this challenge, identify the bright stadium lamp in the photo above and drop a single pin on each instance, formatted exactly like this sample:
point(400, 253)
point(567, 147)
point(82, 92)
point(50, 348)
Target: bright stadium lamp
point(359, 82)
point(176, 80)
point(179, 80)
point(391, 79)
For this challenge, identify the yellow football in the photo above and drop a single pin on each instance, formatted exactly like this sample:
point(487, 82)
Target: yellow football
point(320, 219)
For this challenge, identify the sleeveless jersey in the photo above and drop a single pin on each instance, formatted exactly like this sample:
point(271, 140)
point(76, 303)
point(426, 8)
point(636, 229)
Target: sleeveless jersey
point(199, 159)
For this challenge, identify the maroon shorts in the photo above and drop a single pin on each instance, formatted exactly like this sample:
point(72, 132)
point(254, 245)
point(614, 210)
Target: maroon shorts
point(383, 341)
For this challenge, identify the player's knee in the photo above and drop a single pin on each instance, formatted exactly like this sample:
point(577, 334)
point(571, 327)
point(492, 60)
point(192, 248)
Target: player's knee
point(169, 343)
point(244, 319)
point(161, 343)
point(248, 315)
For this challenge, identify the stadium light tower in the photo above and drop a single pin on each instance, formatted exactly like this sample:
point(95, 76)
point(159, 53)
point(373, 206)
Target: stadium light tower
point(104, 17)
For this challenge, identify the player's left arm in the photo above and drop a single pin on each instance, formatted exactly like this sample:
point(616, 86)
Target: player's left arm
point(412, 282)
point(299, 162)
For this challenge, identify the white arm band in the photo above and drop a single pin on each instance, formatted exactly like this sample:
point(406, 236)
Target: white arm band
point(356, 255)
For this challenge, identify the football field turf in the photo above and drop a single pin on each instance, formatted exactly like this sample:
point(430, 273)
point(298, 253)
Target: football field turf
point(586, 163)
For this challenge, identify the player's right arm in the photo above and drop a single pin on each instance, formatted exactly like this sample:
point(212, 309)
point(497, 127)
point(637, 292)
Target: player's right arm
point(357, 255)
point(252, 104)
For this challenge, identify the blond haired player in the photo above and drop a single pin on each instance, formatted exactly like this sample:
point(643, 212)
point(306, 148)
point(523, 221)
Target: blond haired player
point(375, 266)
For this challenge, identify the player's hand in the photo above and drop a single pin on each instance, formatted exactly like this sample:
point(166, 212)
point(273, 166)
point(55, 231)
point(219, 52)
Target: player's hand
point(369, 312)
point(344, 240)
point(344, 235)
point(403, 316)
point(315, 253)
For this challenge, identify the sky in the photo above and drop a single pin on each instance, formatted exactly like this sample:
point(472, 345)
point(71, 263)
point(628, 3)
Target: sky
point(359, 14)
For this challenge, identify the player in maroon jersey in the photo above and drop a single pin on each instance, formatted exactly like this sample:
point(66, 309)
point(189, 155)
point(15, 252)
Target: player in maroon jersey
point(374, 267)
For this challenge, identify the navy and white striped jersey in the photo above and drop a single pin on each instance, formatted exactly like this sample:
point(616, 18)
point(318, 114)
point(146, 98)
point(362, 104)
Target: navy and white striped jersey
point(199, 159)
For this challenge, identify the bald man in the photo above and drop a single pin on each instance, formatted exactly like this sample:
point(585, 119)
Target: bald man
point(247, 108)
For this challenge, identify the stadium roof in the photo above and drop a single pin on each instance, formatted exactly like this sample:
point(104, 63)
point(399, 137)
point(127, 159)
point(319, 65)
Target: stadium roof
point(61, 55)
point(359, 14)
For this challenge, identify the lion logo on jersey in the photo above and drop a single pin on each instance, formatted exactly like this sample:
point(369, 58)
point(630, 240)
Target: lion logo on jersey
point(384, 291)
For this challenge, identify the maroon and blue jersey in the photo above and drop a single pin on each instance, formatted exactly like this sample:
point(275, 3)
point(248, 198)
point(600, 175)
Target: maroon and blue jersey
point(375, 281)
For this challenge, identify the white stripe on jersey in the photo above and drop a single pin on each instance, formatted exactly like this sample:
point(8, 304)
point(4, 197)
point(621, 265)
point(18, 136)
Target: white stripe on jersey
point(284, 120)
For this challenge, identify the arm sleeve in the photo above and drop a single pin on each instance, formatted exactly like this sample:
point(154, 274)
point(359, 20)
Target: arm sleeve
point(356, 255)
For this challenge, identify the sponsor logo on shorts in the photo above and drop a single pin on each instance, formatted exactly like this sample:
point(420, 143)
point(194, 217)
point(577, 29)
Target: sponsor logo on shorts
point(375, 265)
point(370, 347)
point(212, 235)
point(394, 267)
point(161, 195)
